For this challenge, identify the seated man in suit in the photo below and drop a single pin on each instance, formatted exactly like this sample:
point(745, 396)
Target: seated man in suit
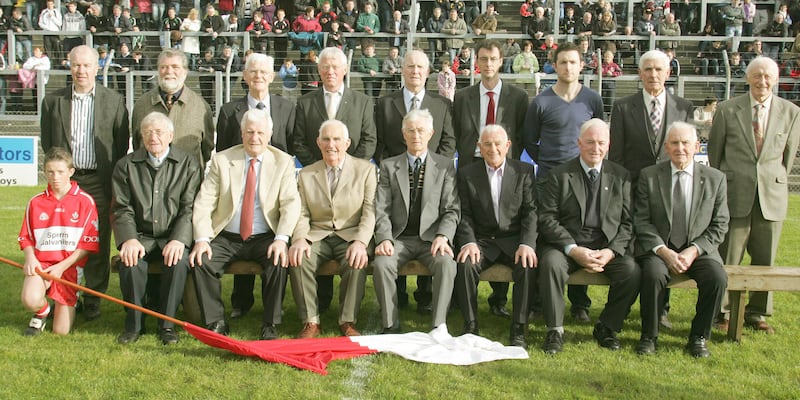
point(247, 208)
point(337, 219)
point(258, 73)
point(585, 222)
point(498, 224)
point(680, 235)
point(417, 212)
point(389, 112)
point(153, 190)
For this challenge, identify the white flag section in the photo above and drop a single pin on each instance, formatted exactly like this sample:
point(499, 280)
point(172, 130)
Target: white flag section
point(438, 347)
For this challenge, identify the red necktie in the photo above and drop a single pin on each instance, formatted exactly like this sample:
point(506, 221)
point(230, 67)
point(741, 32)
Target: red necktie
point(248, 202)
point(490, 110)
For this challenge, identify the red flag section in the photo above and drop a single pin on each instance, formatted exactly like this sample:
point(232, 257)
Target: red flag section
point(311, 354)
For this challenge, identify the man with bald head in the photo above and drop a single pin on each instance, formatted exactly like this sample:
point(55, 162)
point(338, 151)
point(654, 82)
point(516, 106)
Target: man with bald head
point(498, 225)
point(247, 209)
point(90, 121)
point(153, 192)
point(753, 141)
point(585, 223)
point(337, 220)
point(681, 235)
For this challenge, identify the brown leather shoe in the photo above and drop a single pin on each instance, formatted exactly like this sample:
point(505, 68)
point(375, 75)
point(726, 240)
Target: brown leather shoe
point(310, 330)
point(761, 326)
point(348, 329)
point(721, 325)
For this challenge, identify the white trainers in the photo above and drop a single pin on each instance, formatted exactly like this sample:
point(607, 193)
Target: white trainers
point(35, 327)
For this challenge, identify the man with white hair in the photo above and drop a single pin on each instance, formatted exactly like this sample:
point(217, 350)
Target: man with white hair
point(191, 115)
point(337, 220)
point(753, 140)
point(671, 240)
point(638, 126)
point(585, 222)
point(246, 209)
point(153, 190)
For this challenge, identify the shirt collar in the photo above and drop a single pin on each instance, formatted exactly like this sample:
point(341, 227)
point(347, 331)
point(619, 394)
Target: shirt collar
point(339, 91)
point(339, 167)
point(491, 171)
point(252, 102)
point(586, 167)
point(496, 89)
point(407, 95)
point(767, 103)
point(689, 169)
point(648, 98)
point(158, 160)
point(76, 95)
point(412, 157)
point(176, 95)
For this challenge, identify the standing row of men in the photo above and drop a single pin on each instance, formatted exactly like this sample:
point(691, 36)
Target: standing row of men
point(403, 208)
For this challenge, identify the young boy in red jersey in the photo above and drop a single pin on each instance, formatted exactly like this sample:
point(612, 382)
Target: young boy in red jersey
point(58, 232)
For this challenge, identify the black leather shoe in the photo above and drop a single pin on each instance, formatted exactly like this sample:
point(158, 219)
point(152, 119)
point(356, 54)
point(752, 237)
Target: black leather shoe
point(91, 311)
point(471, 327)
point(605, 337)
point(500, 311)
point(168, 336)
point(663, 320)
point(646, 346)
point(220, 327)
point(581, 316)
point(269, 332)
point(518, 335)
point(553, 342)
point(391, 330)
point(127, 337)
point(424, 309)
point(697, 347)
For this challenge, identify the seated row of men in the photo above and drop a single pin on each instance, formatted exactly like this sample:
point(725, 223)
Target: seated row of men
point(580, 215)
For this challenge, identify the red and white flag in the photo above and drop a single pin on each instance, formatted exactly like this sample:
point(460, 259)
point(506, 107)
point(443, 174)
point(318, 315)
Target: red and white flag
point(436, 347)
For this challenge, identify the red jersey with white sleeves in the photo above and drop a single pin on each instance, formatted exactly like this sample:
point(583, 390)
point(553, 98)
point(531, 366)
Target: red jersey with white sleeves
point(56, 228)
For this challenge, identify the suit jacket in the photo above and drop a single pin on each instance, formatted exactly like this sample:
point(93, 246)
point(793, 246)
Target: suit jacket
point(632, 143)
point(191, 115)
point(229, 130)
point(517, 224)
point(154, 207)
point(562, 205)
point(440, 204)
point(732, 149)
point(111, 133)
point(708, 216)
point(221, 192)
point(389, 114)
point(511, 108)
point(349, 213)
point(355, 110)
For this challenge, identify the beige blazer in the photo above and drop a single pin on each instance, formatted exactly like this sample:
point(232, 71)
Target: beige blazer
point(222, 188)
point(349, 213)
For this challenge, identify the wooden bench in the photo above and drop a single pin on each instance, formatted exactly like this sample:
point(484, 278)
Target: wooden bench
point(741, 279)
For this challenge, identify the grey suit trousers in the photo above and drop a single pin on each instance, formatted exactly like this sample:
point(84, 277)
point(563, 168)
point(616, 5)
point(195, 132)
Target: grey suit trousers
point(304, 281)
point(407, 248)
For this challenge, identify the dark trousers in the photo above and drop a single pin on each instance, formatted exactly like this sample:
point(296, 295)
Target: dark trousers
point(133, 284)
point(466, 287)
point(227, 248)
point(97, 266)
point(553, 272)
point(711, 283)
